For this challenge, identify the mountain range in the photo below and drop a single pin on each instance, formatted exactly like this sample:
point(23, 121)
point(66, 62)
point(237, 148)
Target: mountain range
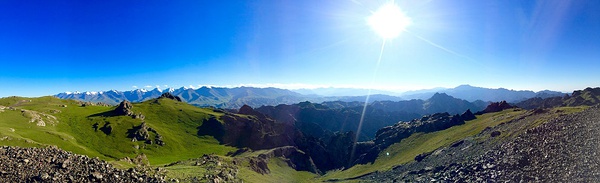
point(473, 93)
point(234, 98)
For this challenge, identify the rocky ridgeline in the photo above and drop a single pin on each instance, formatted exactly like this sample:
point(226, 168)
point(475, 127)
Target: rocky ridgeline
point(564, 149)
point(170, 96)
point(588, 96)
point(495, 107)
point(393, 134)
point(54, 165)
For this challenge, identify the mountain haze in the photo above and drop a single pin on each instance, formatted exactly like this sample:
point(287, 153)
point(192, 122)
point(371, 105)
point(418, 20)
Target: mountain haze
point(473, 93)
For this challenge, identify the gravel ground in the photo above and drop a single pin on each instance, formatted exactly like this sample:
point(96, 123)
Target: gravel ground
point(54, 165)
point(564, 149)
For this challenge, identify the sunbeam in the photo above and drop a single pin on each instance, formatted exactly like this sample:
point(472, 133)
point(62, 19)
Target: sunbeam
point(364, 110)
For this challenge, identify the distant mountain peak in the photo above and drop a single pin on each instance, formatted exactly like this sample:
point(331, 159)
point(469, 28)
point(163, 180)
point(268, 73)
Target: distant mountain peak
point(438, 94)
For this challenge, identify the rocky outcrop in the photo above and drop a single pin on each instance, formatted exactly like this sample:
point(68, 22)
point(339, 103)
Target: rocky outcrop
point(54, 165)
point(495, 107)
point(247, 110)
point(124, 109)
point(143, 133)
point(392, 134)
point(40, 119)
point(168, 95)
point(215, 169)
point(468, 115)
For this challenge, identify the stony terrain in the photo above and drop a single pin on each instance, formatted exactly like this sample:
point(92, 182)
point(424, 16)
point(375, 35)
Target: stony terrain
point(564, 149)
point(54, 165)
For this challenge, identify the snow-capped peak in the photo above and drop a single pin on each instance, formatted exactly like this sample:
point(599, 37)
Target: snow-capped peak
point(91, 93)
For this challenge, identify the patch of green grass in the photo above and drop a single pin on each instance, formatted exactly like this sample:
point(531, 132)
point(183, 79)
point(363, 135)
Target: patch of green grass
point(280, 172)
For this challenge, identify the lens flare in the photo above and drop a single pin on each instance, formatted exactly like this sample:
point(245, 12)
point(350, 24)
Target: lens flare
point(389, 21)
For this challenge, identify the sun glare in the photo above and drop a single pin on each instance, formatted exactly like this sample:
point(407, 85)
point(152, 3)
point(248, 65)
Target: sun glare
point(388, 21)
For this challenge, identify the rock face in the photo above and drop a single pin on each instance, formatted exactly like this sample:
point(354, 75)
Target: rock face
point(124, 108)
point(495, 107)
point(54, 165)
point(247, 110)
point(170, 96)
point(392, 134)
point(249, 131)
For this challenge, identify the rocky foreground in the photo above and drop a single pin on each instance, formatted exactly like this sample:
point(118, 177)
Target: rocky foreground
point(564, 149)
point(54, 165)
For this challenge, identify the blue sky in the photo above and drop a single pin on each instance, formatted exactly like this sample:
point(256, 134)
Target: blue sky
point(47, 47)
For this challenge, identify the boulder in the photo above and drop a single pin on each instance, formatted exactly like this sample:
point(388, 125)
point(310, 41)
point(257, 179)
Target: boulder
point(124, 108)
point(468, 115)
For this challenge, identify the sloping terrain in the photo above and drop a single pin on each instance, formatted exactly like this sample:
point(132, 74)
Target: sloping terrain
point(557, 145)
point(588, 96)
point(55, 165)
point(98, 131)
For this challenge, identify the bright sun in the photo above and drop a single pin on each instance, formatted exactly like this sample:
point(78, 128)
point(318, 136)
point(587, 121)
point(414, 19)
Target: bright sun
point(388, 21)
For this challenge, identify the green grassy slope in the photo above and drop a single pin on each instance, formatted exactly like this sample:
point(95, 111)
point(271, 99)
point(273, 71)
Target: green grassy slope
point(177, 122)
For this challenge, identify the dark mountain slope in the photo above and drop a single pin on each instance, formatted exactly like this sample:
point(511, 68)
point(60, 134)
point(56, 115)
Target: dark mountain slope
point(345, 116)
point(588, 96)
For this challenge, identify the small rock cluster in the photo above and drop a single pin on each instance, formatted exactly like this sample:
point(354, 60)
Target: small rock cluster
point(217, 169)
point(142, 133)
point(54, 165)
point(85, 104)
point(40, 119)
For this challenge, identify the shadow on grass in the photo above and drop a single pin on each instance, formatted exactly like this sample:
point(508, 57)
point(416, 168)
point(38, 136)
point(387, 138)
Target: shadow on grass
point(110, 113)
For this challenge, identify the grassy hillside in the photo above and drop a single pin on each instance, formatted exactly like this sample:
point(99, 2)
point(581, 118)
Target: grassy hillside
point(74, 129)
